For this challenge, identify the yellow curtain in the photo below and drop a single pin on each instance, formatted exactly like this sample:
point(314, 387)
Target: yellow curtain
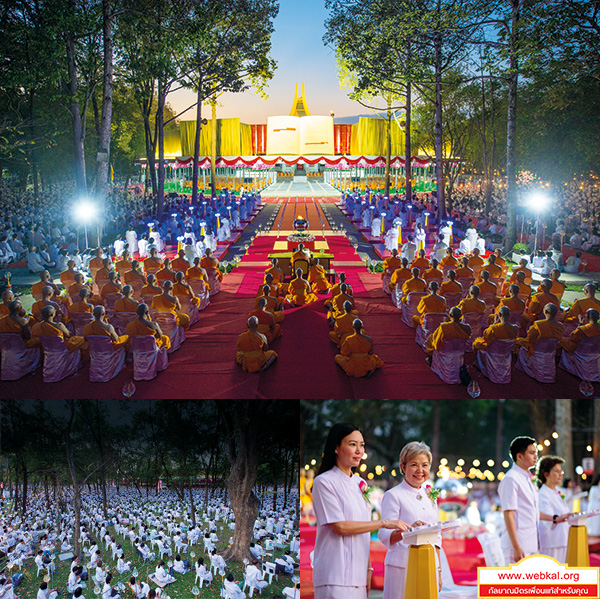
point(172, 143)
point(398, 140)
point(188, 133)
point(368, 138)
point(246, 131)
point(354, 140)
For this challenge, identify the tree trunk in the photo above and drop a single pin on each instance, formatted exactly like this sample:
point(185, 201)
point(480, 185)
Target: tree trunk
point(388, 150)
point(160, 125)
point(192, 505)
point(213, 148)
point(107, 100)
point(564, 427)
point(511, 134)
point(407, 148)
point(537, 417)
point(24, 493)
point(439, 139)
point(195, 167)
point(76, 499)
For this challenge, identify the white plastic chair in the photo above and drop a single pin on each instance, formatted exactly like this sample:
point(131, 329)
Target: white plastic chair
point(409, 309)
point(495, 362)
point(148, 360)
point(583, 362)
point(269, 570)
point(168, 324)
point(17, 360)
point(105, 361)
point(541, 364)
point(59, 362)
point(446, 362)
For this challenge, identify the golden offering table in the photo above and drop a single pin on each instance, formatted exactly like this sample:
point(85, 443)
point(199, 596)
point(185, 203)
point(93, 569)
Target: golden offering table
point(285, 259)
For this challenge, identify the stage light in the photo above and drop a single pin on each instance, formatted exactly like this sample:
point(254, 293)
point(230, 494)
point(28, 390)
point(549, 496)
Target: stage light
point(539, 200)
point(85, 211)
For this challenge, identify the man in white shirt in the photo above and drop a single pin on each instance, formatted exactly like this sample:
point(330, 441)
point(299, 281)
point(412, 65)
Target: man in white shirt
point(409, 249)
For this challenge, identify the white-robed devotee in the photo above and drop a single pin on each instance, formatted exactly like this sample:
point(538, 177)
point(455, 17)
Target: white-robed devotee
point(202, 571)
point(342, 562)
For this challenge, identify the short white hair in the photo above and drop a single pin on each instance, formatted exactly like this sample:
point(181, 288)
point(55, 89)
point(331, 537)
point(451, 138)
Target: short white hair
point(412, 450)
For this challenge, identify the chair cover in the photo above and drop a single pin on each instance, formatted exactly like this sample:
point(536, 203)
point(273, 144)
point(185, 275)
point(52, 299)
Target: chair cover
point(197, 286)
point(446, 270)
point(498, 281)
point(137, 288)
point(466, 283)
point(446, 362)
point(17, 360)
point(190, 309)
point(105, 362)
point(430, 323)
point(168, 324)
point(495, 361)
point(79, 320)
point(97, 286)
point(109, 302)
point(516, 317)
point(385, 283)
point(583, 362)
point(409, 309)
point(540, 365)
point(397, 294)
point(490, 301)
point(569, 327)
point(492, 550)
point(213, 281)
point(452, 299)
point(474, 320)
point(121, 319)
point(147, 358)
point(59, 362)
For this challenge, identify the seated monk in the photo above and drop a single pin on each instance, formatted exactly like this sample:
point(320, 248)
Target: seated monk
point(472, 303)
point(475, 262)
point(276, 273)
point(453, 329)
point(535, 307)
point(211, 265)
point(299, 291)
point(113, 285)
point(514, 303)
point(150, 289)
point(135, 274)
point(343, 324)
point(84, 304)
point(180, 264)
point(524, 289)
point(416, 285)
point(196, 272)
point(522, 268)
point(449, 259)
point(485, 285)
point(167, 302)
point(166, 273)
point(142, 325)
point(78, 285)
point(46, 281)
point(318, 277)
point(493, 269)
point(336, 290)
point(558, 288)
point(355, 355)
point(99, 327)
point(337, 306)
point(450, 286)
point(271, 283)
point(266, 322)
point(48, 328)
point(7, 297)
point(183, 290)
point(581, 306)
point(124, 264)
point(95, 264)
point(464, 272)
point(399, 276)
point(126, 303)
point(16, 322)
point(153, 263)
point(299, 254)
point(274, 305)
point(253, 352)
point(432, 303)
point(590, 329)
point(102, 273)
point(67, 277)
point(47, 295)
point(500, 261)
point(433, 273)
point(390, 264)
point(421, 262)
point(542, 329)
point(502, 329)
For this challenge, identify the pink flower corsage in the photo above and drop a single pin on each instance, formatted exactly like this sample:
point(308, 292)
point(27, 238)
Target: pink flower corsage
point(365, 490)
point(562, 494)
point(432, 493)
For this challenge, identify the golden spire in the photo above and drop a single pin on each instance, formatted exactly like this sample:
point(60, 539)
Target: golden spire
point(299, 108)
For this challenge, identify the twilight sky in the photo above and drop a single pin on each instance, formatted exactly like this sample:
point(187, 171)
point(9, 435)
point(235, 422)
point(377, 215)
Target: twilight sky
point(297, 47)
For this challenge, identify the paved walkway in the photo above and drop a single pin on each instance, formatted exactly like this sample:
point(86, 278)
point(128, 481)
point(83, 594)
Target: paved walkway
point(288, 188)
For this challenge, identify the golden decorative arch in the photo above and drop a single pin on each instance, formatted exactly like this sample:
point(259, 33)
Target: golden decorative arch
point(300, 107)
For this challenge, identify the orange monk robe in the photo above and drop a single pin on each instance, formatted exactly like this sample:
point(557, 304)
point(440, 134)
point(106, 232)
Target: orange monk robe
point(124, 304)
point(475, 262)
point(299, 255)
point(540, 329)
point(94, 328)
point(580, 333)
point(79, 307)
point(513, 276)
point(272, 306)
point(9, 326)
point(277, 275)
point(75, 288)
point(210, 263)
point(151, 265)
point(36, 289)
point(464, 272)
point(95, 263)
point(136, 328)
point(432, 273)
point(448, 261)
point(37, 308)
point(67, 277)
point(494, 270)
point(421, 263)
point(161, 304)
point(450, 287)
point(196, 273)
point(250, 352)
point(337, 306)
point(445, 332)
point(390, 264)
point(109, 288)
point(122, 266)
point(180, 290)
point(535, 309)
point(557, 289)
point(265, 321)
point(514, 304)
point(317, 276)
point(581, 306)
point(398, 277)
point(342, 328)
point(470, 304)
point(164, 275)
point(4, 310)
point(412, 285)
point(45, 329)
point(299, 293)
point(336, 289)
point(493, 332)
point(429, 304)
point(179, 265)
point(101, 274)
point(273, 290)
point(355, 358)
point(132, 275)
point(500, 262)
point(524, 289)
point(487, 287)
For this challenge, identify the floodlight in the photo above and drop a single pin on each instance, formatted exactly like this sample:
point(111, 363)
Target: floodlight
point(85, 211)
point(538, 200)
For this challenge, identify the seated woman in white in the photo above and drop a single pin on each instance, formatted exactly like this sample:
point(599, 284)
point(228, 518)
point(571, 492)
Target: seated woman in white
point(64, 546)
point(179, 565)
point(254, 576)
point(161, 574)
point(286, 562)
point(217, 562)
point(232, 588)
point(122, 565)
point(107, 590)
point(140, 589)
point(202, 571)
point(213, 536)
point(100, 575)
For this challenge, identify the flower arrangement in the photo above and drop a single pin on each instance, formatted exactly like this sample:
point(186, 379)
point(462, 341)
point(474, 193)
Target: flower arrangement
point(432, 493)
point(366, 490)
point(300, 237)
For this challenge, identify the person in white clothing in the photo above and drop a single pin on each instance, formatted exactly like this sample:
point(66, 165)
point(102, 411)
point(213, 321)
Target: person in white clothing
point(108, 592)
point(122, 565)
point(179, 565)
point(161, 574)
point(46, 593)
point(286, 562)
point(594, 504)
point(420, 235)
point(140, 589)
point(254, 576)
point(553, 535)
point(391, 239)
point(131, 237)
point(409, 249)
point(202, 571)
point(232, 588)
point(218, 562)
point(520, 506)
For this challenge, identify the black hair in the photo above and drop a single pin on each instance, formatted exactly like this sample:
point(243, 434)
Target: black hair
point(519, 445)
point(544, 466)
point(334, 438)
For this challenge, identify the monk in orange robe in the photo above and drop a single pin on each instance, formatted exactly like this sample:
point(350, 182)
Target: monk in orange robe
point(196, 272)
point(500, 330)
point(514, 303)
point(153, 263)
point(299, 254)
point(180, 264)
point(542, 329)
point(99, 327)
point(46, 281)
point(126, 303)
point(464, 272)
point(167, 302)
point(102, 274)
point(211, 265)
point(432, 303)
point(390, 264)
point(266, 323)
point(416, 284)
point(318, 277)
point(7, 297)
point(274, 305)
point(78, 285)
point(472, 303)
point(272, 286)
point(337, 306)
point(166, 273)
point(84, 304)
point(558, 288)
point(253, 352)
point(67, 277)
point(521, 268)
point(36, 309)
point(591, 329)
point(500, 261)
point(142, 325)
point(493, 268)
point(277, 274)
point(95, 264)
point(433, 273)
point(454, 329)
point(343, 325)
point(299, 291)
point(421, 262)
point(581, 306)
point(524, 289)
point(150, 289)
point(475, 262)
point(135, 274)
point(450, 286)
point(355, 355)
point(535, 308)
point(449, 259)
point(400, 275)
point(16, 322)
point(183, 290)
point(113, 285)
point(48, 328)
point(485, 286)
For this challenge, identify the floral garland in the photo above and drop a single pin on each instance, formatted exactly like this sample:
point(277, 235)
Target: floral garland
point(300, 237)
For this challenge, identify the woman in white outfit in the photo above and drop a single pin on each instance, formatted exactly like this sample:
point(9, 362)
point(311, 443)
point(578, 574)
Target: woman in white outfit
point(411, 502)
point(594, 504)
point(202, 571)
point(553, 535)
